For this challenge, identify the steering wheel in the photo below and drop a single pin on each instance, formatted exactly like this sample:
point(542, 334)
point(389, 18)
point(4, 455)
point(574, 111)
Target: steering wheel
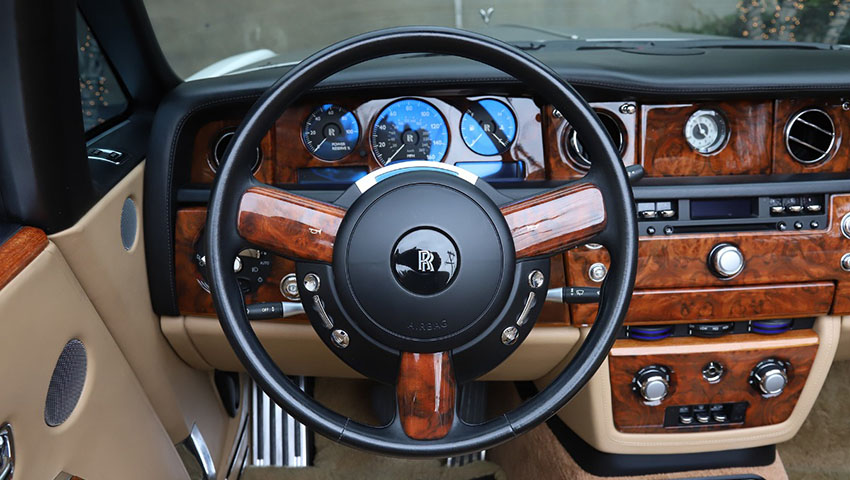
point(422, 275)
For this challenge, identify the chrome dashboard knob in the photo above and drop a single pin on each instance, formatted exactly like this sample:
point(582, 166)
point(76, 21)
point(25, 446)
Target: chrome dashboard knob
point(725, 260)
point(770, 377)
point(652, 383)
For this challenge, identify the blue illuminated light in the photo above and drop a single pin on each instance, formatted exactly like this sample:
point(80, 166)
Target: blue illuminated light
point(331, 132)
point(410, 129)
point(488, 127)
point(495, 171)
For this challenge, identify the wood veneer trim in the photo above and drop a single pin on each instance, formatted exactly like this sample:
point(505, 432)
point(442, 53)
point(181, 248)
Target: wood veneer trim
point(688, 387)
point(288, 224)
point(426, 393)
point(18, 251)
point(556, 220)
point(735, 302)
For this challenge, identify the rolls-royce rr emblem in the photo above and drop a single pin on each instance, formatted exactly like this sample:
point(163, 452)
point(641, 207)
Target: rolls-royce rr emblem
point(426, 261)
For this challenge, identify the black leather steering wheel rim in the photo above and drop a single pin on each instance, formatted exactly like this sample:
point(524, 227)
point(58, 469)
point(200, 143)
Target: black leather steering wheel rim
point(619, 236)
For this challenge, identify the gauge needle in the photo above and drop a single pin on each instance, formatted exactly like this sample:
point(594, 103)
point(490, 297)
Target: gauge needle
point(497, 139)
point(321, 143)
point(472, 143)
point(396, 153)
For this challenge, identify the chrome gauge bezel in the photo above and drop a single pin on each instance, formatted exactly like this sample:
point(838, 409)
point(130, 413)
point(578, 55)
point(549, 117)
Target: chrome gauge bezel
point(513, 118)
point(314, 151)
point(722, 136)
point(374, 123)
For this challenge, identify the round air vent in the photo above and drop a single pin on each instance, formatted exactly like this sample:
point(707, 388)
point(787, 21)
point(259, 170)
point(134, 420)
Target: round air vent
point(809, 136)
point(219, 147)
point(575, 150)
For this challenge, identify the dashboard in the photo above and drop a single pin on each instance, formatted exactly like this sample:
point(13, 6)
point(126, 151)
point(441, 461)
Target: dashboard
point(743, 215)
point(331, 141)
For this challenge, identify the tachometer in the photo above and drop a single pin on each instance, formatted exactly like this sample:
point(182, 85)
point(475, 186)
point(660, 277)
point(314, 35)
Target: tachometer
point(330, 132)
point(488, 127)
point(409, 129)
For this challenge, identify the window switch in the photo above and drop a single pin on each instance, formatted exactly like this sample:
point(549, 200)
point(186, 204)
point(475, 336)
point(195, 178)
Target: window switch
point(106, 155)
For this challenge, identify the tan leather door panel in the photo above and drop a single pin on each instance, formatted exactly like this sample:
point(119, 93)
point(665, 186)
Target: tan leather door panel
point(113, 431)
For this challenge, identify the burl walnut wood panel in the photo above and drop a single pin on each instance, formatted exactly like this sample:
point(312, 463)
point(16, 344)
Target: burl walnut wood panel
point(558, 160)
point(694, 304)
point(426, 395)
point(665, 152)
point(555, 220)
point(194, 300)
point(771, 258)
point(839, 159)
point(686, 357)
point(288, 224)
point(18, 251)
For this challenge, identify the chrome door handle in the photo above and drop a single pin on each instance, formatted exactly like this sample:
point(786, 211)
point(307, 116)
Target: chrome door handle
point(7, 452)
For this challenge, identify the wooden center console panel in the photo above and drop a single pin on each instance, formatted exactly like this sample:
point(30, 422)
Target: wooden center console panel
point(685, 358)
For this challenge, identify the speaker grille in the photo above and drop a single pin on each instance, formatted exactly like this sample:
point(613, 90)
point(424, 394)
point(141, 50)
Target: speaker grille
point(128, 223)
point(66, 384)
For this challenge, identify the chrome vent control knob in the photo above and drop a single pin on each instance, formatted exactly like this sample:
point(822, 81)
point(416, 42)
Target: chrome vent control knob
point(770, 377)
point(652, 383)
point(725, 260)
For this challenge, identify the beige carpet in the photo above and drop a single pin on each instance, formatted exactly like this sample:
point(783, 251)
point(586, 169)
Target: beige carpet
point(538, 455)
point(336, 462)
point(821, 450)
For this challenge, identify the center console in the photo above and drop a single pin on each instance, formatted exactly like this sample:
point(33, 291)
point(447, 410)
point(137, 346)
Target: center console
point(699, 384)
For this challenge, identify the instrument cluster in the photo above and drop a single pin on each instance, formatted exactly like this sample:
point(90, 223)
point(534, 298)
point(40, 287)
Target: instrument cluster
point(411, 129)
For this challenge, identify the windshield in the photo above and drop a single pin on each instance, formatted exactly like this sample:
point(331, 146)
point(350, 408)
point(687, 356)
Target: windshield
point(196, 34)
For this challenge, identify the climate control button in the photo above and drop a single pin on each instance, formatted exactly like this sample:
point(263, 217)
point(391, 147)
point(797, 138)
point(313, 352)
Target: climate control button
point(652, 383)
point(770, 377)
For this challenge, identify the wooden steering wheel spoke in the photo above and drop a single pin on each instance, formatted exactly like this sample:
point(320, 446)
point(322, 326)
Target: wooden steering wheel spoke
point(426, 393)
point(293, 226)
point(554, 221)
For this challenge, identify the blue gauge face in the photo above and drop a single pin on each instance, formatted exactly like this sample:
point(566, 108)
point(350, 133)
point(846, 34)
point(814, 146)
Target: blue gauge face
point(330, 132)
point(409, 129)
point(488, 127)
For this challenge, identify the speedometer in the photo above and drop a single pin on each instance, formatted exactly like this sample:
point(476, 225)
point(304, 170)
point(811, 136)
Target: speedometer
point(409, 129)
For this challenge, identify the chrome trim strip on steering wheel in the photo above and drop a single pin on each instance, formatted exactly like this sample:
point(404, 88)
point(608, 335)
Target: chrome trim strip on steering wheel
point(376, 176)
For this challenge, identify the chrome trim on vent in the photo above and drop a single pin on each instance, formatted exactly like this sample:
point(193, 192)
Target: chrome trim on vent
point(824, 154)
point(215, 162)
